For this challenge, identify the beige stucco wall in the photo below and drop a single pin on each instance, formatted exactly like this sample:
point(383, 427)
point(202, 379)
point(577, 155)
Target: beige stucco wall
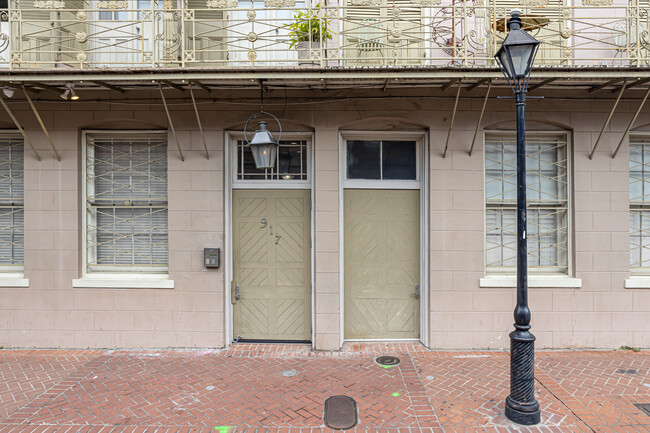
point(51, 313)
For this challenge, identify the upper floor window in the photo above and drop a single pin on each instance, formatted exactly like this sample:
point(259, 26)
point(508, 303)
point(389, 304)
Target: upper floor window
point(12, 205)
point(126, 202)
point(548, 203)
point(640, 205)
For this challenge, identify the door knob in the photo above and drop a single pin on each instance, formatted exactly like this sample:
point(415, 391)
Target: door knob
point(416, 294)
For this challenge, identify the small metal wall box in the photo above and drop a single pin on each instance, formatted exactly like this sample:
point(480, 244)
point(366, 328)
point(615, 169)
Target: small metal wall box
point(212, 257)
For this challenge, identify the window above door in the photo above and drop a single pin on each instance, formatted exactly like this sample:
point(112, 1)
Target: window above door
point(381, 163)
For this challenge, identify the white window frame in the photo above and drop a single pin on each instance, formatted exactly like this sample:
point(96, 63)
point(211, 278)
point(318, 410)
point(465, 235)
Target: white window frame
point(233, 137)
point(230, 176)
point(382, 183)
point(639, 277)
point(421, 139)
point(536, 278)
point(137, 277)
point(14, 275)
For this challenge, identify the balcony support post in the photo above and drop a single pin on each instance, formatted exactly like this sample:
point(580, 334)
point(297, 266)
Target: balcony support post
point(453, 117)
point(40, 121)
point(638, 110)
point(480, 118)
point(198, 119)
point(611, 113)
point(171, 124)
point(20, 128)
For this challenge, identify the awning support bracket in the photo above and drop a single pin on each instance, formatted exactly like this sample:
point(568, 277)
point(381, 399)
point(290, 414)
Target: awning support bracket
point(638, 110)
point(171, 124)
point(453, 117)
point(480, 118)
point(38, 117)
point(20, 128)
point(611, 113)
point(198, 119)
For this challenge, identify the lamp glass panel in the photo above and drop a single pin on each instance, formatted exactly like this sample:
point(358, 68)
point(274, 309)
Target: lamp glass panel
point(505, 62)
point(520, 55)
point(264, 155)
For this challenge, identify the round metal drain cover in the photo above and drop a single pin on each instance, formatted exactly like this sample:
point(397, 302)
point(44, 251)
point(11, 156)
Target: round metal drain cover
point(387, 360)
point(289, 373)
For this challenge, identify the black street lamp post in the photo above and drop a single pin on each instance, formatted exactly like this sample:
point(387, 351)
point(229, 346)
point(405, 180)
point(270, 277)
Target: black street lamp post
point(515, 57)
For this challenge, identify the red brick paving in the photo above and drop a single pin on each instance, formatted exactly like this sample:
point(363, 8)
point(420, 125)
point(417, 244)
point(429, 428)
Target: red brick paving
point(241, 388)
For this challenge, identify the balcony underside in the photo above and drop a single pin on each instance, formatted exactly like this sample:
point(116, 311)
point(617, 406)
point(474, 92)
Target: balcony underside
point(592, 82)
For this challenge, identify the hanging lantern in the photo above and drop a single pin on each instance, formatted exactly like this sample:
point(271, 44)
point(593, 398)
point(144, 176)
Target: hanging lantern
point(264, 147)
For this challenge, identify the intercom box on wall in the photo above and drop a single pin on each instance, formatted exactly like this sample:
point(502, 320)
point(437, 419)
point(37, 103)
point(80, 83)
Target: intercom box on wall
point(212, 257)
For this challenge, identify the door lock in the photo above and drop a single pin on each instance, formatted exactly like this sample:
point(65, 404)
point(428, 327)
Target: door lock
point(416, 294)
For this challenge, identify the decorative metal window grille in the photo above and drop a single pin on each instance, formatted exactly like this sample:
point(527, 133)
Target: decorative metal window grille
point(291, 163)
point(12, 225)
point(639, 205)
point(126, 203)
point(546, 179)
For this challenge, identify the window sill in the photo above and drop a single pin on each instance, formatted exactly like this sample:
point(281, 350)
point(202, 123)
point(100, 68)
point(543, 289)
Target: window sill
point(638, 282)
point(13, 280)
point(533, 281)
point(124, 281)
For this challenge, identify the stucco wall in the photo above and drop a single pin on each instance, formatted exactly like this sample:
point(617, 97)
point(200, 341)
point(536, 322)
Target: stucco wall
point(51, 313)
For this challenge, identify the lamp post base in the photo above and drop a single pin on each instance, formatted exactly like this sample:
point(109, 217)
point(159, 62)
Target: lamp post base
point(521, 406)
point(524, 414)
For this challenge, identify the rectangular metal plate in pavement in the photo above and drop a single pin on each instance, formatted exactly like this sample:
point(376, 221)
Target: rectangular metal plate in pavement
point(340, 412)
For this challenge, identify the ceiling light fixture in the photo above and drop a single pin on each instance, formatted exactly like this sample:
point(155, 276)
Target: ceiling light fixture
point(69, 93)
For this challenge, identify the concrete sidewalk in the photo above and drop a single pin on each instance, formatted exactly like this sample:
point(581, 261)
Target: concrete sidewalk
point(242, 389)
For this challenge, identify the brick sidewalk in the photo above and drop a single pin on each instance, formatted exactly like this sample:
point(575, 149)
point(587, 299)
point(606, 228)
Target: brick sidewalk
point(242, 389)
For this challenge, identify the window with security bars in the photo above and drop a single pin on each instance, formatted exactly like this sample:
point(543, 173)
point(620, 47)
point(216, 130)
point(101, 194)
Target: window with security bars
point(291, 162)
point(126, 203)
point(547, 204)
point(640, 205)
point(12, 226)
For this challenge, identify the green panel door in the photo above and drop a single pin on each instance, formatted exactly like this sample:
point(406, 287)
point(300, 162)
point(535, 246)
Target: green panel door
point(272, 262)
point(382, 263)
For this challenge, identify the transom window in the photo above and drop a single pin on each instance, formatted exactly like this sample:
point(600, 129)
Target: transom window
point(291, 162)
point(12, 206)
point(126, 203)
point(546, 179)
point(640, 205)
point(381, 159)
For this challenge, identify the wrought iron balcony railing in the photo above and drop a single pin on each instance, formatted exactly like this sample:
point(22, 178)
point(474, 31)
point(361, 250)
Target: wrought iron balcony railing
point(46, 34)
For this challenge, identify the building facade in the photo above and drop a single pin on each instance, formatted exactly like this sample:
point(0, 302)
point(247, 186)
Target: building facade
point(390, 212)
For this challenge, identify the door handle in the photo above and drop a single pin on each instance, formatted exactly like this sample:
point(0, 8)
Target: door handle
point(234, 292)
point(416, 294)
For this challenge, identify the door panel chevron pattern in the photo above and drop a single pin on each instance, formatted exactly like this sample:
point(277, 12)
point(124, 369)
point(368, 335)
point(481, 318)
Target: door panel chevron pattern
point(382, 263)
point(271, 230)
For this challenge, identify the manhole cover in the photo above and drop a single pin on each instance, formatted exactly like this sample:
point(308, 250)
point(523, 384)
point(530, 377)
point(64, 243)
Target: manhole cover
point(645, 407)
point(289, 373)
point(340, 412)
point(387, 360)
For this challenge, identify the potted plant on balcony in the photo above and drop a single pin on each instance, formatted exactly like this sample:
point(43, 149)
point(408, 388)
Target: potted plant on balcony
point(308, 30)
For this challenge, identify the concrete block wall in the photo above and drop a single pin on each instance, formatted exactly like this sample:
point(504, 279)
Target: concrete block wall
point(462, 315)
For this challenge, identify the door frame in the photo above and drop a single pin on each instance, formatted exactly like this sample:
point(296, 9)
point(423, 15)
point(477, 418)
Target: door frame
point(422, 143)
point(230, 158)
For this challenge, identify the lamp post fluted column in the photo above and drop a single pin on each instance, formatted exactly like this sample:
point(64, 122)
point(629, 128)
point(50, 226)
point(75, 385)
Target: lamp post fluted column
point(521, 406)
point(515, 58)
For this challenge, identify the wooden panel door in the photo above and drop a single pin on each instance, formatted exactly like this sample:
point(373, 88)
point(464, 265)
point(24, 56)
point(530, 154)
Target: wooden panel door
point(272, 264)
point(382, 263)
